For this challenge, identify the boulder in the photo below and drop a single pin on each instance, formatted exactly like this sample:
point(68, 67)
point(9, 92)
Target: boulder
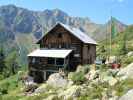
point(72, 92)
point(126, 72)
point(93, 74)
point(113, 98)
point(130, 53)
point(70, 83)
point(111, 80)
point(30, 88)
point(41, 89)
point(70, 75)
point(52, 97)
point(57, 80)
point(80, 68)
point(127, 96)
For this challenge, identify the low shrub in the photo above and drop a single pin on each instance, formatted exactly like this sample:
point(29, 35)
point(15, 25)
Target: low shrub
point(86, 69)
point(103, 68)
point(4, 88)
point(78, 77)
point(95, 92)
point(84, 98)
point(1, 77)
point(10, 97)
point(128, 60)
point(123, 86)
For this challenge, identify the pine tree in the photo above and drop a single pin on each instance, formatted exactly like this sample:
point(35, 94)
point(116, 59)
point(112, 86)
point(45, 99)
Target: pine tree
point(11, 62)
point(2, 60)
point(123, 47)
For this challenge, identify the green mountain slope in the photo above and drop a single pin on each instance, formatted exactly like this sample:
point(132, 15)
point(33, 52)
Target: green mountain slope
point(121, 45)
point(103, 31)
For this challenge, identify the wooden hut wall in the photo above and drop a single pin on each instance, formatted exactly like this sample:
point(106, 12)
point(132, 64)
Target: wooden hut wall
point(67, 40)
point(53, 40)
point(92, 53)
point(89, 53)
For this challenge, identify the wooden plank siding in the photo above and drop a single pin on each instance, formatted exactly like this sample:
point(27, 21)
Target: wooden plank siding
point(66, 41)
point(61, 38)
point(87, 52)
point(52, 38)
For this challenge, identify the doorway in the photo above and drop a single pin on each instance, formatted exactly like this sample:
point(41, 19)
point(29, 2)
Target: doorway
point(39, 76)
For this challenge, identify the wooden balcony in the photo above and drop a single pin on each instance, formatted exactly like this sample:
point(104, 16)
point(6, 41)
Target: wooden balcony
point(41, 66)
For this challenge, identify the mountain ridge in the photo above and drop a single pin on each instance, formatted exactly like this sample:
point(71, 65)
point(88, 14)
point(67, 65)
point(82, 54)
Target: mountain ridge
point(20, 27)
point(36, 21)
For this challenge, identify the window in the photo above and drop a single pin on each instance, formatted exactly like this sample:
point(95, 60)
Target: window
point(77, 55)
point(49, 45)
point(59, 61)
point(33, 60)
point(60, 46)
point(68, 45)
point(59, 35)
point(88, 47)
point(51, 61)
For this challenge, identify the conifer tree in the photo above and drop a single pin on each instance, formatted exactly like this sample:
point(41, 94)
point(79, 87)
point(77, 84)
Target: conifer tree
point(2, 60)
point(123, 47)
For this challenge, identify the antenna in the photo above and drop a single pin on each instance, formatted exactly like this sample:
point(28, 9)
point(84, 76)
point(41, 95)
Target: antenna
point(111, 29)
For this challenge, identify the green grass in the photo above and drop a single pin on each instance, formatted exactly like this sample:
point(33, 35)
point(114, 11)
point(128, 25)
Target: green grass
point(122, 87)
point(11, 86)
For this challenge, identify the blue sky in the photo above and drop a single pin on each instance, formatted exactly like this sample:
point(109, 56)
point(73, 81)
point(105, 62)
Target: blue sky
point(98, 11)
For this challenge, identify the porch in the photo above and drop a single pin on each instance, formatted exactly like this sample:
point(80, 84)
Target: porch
point(46, 61)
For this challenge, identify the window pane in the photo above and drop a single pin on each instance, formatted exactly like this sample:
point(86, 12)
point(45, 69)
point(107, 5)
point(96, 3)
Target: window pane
point(51, 60)
point(33, 60)
point(59, 61)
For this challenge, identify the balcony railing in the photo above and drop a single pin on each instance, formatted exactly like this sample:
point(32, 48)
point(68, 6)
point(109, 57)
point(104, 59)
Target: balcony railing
point(41, 66)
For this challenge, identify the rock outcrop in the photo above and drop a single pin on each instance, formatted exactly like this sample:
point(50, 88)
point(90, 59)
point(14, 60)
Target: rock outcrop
point(56, 80)
point(130, 53)
point(71, 92)
point(41, 89)
point(126, 72)
point(127, 96)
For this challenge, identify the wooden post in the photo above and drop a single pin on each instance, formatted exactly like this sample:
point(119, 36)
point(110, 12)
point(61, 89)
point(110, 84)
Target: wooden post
point(94, 66)
point(85, 54)
point(44, 75)
point(55, 61)
point(65, 63)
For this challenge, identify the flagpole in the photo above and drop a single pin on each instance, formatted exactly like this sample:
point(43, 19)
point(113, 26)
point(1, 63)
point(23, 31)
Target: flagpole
point(111, 29)
point(111, 36)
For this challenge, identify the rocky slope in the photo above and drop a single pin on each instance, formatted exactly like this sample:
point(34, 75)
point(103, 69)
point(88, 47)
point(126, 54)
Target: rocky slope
point(19, 20)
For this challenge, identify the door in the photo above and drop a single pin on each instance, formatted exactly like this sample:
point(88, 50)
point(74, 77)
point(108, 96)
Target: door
point(39, 76)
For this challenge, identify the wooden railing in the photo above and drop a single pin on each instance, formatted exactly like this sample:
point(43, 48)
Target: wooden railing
point(41, 66)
